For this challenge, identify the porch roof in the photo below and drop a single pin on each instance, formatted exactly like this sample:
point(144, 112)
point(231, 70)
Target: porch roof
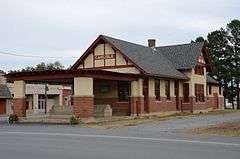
point(66, 76)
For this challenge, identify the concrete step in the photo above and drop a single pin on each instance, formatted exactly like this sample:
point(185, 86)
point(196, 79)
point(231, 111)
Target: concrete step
point(60, 116)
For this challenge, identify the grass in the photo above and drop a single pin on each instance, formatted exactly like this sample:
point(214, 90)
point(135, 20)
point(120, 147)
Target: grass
point(231, 129)
point(117, 122)
point(220, 112)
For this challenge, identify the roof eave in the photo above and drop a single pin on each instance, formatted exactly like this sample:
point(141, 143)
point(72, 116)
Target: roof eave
point(167, 76)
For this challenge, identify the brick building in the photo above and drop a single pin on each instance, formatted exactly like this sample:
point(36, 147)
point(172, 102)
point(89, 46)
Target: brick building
point(35, 97)
point(133, 79)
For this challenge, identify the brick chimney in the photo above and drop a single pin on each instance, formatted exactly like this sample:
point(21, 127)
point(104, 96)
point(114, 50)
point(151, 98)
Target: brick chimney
point(151, 43)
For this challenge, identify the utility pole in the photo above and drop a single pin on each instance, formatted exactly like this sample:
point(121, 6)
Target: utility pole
point(46, 89)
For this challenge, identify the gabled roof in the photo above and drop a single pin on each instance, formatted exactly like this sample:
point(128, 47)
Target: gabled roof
point(211, 80)
point(5, 92)
point(146, 58)
point(161, 61)
point(183, 56)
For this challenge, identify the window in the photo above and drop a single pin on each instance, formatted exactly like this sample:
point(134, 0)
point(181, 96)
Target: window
point(41, 102)
point(199, 70)
point(157, 89)
point(220, 90)
point(72, 101)
point(210, 89)
point(186, 92)
point(123, 91)
point(199, 92)
point(167, 89)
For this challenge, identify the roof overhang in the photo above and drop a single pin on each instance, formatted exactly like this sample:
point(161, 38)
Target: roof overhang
point(169, 77)
point(68, 75)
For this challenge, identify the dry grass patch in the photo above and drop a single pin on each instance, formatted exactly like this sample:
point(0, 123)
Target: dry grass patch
point(130, 121)
point(117, 122)
point(231, 129)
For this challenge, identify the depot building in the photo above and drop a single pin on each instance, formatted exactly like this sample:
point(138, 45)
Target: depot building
point(132, 79)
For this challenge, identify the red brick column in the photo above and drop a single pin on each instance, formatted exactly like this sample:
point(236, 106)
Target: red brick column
point(83, 107)
point(19, 107)
point(221, 102)
point(137, 105)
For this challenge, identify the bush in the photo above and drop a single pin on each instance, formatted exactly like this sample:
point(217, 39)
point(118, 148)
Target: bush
point(74, 120)
point(12, 118)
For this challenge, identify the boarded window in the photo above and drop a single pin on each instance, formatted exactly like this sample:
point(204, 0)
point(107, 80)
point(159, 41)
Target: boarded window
point(167, 89)
point(220, 90)
point(176, 87)
point(123, 91)
point(157, 89)
point(186, 92)
point(199, 92)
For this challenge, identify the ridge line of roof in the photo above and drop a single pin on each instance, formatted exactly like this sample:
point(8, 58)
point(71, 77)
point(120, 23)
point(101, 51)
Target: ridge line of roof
point(200, 43)
point(125, 41)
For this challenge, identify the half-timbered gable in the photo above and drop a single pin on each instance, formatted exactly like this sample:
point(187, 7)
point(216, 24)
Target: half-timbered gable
point(103, 56)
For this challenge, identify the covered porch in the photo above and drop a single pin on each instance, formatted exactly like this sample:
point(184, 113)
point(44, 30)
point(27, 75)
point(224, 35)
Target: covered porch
point(92, 91)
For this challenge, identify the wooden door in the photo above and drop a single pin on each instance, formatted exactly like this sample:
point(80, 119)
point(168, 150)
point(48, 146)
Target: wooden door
point(176, 91)
point(145, 94)
point(2, 106)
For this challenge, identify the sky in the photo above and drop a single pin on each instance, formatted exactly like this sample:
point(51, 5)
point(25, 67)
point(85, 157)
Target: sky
point(64, 29)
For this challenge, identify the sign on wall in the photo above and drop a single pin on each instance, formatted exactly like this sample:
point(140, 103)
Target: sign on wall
point(106, 56)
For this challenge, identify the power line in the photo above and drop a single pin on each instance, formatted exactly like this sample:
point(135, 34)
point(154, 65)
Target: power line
point(34, 56)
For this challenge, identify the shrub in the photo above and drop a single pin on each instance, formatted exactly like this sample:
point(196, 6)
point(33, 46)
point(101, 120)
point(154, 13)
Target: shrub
point(12, 118)
point(74, 120)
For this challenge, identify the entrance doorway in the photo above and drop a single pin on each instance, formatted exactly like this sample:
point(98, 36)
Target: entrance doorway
point(215, 101)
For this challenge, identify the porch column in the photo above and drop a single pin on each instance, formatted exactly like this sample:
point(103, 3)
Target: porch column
point(83, 104)
point(19, 100)
point(61, 97)
point(137, 98)
point(35, 103)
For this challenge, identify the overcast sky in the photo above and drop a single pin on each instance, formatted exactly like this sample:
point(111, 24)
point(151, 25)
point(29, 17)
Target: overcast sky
point(65, 28)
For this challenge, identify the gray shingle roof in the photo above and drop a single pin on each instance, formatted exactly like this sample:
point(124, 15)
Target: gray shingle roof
point(148, 59)
point(183, 56)
point(211, 80)
point(5, 92)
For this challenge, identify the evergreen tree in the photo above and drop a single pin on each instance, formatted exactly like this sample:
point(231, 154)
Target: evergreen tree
point(198, 40)
point(233, 36)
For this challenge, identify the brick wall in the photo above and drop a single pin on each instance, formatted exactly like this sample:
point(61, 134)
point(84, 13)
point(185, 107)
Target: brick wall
point(199, 105)
point(19, 107)
point(213, 103)
point(163, 105)
point(83, 107)
point(118, 108)
point(221, 102)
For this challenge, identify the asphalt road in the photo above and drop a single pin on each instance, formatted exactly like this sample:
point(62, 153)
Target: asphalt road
point(138, 142)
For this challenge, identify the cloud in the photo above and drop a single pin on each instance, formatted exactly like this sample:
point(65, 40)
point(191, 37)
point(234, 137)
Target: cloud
point(58, 27)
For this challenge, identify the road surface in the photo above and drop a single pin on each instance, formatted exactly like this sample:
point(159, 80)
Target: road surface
point(159, 140)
